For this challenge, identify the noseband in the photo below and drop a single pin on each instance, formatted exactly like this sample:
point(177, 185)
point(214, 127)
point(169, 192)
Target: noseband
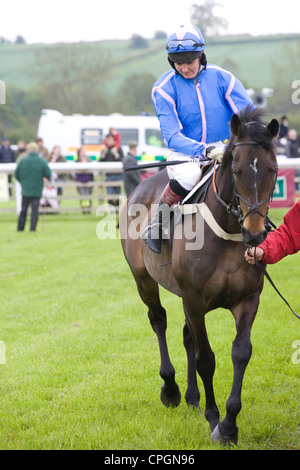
point(253, 208)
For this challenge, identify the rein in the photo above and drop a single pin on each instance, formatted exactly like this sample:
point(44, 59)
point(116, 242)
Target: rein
point(165, 163)
point(262, 268)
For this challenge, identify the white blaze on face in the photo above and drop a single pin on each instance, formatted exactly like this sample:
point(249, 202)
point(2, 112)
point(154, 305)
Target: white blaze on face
point(253, 167)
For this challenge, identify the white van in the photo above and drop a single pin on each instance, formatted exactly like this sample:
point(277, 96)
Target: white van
point(77, 130)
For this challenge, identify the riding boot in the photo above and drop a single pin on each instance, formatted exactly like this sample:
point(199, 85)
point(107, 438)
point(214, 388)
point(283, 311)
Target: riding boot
point(153, 234)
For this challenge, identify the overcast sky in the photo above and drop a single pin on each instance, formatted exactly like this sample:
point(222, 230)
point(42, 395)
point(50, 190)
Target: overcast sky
point(51, 21)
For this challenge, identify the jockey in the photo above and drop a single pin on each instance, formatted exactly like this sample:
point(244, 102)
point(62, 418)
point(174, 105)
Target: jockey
point(194, 103)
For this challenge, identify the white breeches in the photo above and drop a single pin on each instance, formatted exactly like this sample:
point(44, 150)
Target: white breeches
point(187, 174)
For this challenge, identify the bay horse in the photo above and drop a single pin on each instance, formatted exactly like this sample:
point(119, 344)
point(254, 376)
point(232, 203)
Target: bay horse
point(215, 274)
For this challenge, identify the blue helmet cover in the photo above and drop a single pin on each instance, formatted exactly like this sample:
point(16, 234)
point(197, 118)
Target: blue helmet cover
point(187, 38)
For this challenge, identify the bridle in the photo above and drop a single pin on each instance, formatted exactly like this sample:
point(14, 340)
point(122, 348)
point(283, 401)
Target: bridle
point(253, 208)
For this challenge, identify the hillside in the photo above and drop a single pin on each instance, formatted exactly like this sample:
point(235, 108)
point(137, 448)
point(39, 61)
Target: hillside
point(92, 78)
point(250, 59)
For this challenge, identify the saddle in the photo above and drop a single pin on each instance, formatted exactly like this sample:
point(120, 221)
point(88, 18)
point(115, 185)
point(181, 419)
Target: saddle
point(197, 194)
point(200, 190)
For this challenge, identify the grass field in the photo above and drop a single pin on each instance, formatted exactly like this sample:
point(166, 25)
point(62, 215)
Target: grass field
point(81, 366)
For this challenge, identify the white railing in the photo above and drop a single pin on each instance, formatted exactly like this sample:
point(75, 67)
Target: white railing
point(288, 163)
point(69, 186)
point(70, 167)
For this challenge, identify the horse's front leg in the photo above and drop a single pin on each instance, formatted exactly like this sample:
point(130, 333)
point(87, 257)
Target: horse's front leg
point(149, 292)
point(244, 313)
point(192, 394)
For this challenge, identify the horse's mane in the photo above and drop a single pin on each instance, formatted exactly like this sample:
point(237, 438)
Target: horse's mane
point(256, 129)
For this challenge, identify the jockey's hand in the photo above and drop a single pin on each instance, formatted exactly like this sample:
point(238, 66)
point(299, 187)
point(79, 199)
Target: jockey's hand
point(249, 255)
point(215, 153)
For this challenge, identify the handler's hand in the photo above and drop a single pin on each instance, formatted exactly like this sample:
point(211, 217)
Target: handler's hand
point(249, 255)
point(215, 153)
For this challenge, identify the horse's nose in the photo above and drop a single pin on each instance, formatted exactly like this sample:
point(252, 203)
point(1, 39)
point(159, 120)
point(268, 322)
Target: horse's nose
point(253, 240)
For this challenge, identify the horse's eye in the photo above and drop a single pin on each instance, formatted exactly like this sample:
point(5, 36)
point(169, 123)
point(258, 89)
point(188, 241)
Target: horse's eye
point(235, 172)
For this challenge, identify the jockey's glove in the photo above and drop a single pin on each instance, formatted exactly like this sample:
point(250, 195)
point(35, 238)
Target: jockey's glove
point(215, 153)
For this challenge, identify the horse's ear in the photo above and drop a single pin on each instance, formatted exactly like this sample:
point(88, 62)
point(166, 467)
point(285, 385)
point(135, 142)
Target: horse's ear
point(235, 125)
point(273, 128)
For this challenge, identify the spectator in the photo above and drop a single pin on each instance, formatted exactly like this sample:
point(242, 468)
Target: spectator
point(84, 178)
point(283, 241)
point(132, 178)
point(30, 172)
point(56, 157)
point(21, 150)
point(117, 137)
point(283, 129)
point(292, 150)
point(43, 151)
point(292, 144)
point(6, 152)
point(49, 197)
point(7, 156)
point(112, 154)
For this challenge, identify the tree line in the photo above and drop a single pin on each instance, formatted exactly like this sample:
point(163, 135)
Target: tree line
point(73, 78)
point(19, 40)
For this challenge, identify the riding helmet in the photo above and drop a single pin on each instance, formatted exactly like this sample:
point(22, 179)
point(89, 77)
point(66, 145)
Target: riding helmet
point(185, 45)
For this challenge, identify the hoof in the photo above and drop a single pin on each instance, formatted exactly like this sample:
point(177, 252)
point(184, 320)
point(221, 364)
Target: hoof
point(217, 436)
point(173, 399)
point(194, 404)
point(192, 399)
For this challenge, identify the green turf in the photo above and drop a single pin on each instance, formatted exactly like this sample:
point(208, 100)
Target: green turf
point(82, 362)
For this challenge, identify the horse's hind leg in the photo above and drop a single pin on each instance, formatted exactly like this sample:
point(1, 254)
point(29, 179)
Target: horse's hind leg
point(148, 290)
point(205, 358)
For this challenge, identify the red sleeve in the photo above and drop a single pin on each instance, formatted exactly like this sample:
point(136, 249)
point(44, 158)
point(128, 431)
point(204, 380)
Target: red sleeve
point(285, 240)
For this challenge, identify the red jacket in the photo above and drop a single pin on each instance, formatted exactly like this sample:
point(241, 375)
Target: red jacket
point(285, 240)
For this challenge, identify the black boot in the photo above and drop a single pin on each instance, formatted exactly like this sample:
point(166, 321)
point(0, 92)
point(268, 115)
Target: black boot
point(153, 233)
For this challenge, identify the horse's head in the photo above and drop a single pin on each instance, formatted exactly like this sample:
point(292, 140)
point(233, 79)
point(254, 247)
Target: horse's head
point(254, 169)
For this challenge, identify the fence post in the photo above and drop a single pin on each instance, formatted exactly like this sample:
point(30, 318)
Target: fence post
point(18, 193)
point(101, 187)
